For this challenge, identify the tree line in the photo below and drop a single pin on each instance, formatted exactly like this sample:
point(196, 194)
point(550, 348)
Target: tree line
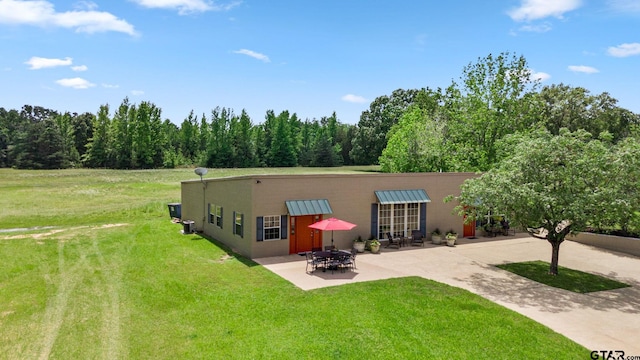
point(459, 128)
point(452, 129)
point(136, 137)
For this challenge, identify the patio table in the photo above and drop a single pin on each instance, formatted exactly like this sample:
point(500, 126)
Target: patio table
point(326, 256)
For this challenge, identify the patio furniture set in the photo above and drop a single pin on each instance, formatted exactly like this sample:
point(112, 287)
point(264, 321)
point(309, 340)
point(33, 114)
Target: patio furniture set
point(331, 259)
point(416, 238)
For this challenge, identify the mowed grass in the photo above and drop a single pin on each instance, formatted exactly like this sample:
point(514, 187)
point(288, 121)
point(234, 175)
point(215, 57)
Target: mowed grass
point(567, 279)
point(32, 198)
point(122, 282)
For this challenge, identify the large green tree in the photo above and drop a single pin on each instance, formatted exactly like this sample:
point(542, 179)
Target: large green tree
point(282, 151)
point(621, 194)
point(416, 144)
point(495, 97)
point(64, 124)
point(574, 108)
point(219, 149)
point(244, 154)
point(120, 136)
point(554, 185)
point(98, 151)
point(82, 131)
point(191, 137)
point(323, 152)
point(40, 146)
point(307, 136)
point(11, 125)
point(371, 134)
point(146, 140)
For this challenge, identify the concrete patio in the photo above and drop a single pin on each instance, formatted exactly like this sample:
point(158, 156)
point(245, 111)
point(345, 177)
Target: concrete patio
point(607, 320)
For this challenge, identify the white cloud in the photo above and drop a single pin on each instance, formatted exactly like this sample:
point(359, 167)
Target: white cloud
point(42, 13)
point(76, 83)
point(79, 68)
point(624, 50)
point(540, 9)
point(40, 63)
point(354, 99)
point(185, 7)
point(625, 6)
point(542, 76)
point(137, 92)
point(228, 6)
point(583, 69)
point(85, 5)
point(540, 28)
point(110, 86)
point(253, 54)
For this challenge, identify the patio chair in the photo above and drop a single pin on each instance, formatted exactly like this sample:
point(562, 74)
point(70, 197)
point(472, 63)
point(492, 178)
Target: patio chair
point(334, 262)
point(312, 261)
point(340, 262)
point(392, 241)
point(352, 258)
point(416, 238)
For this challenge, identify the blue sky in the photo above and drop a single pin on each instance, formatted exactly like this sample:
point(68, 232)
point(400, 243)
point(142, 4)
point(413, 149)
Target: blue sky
point(309, 57)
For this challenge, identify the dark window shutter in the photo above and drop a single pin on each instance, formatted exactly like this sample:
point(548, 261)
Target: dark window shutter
point(423, 219)
point(259, 228)
point(233, 222)
point(374, 220)
point(209, 213)
point(241, 225)
point(284, 221)
point(221, 217)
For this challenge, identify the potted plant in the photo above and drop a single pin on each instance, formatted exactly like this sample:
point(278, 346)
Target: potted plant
point(451, 237)
point(436, 236)
point(358, 244)
point(375, 246)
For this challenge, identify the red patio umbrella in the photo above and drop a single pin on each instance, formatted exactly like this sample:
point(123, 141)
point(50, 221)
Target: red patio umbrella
point(332, 224)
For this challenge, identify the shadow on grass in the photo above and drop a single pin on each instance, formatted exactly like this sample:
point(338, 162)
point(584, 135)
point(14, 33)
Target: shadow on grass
point(225, 248)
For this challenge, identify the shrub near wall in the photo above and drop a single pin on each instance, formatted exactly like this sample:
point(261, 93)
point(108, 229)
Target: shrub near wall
point(622, 244)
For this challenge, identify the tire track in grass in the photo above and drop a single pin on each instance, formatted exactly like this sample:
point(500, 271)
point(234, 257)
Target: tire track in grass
point(111, 306)
point(57, 307)
point(68, 279)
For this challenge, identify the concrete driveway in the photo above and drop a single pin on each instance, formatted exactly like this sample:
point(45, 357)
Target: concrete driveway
point(606, 320)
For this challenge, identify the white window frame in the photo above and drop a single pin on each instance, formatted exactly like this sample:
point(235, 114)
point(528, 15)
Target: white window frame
point(272, 223)
point(218, 216)
point(215, 215)
point(387, 220)
point(238, 224)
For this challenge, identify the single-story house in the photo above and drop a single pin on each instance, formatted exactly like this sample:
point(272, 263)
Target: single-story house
point(268, 215)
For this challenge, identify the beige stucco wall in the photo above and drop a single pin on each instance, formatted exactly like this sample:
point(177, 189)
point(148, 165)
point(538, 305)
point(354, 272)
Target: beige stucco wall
point(233, 194)
point(616, 243)
point(350, 197)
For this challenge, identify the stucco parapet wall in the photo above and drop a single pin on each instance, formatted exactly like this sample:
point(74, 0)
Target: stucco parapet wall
point(621, 244)
point(337, 175)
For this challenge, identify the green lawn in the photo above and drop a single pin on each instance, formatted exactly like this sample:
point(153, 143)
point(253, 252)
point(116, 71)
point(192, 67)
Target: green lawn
point(115, 279)
point(568, 279)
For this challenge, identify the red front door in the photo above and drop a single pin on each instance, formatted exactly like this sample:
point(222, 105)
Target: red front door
point(302, 237)
point(469, 230)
